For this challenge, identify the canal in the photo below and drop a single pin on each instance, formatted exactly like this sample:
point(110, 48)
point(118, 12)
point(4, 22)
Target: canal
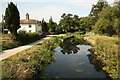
point(74, 60)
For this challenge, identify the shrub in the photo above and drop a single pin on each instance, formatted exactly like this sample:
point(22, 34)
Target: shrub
point(26, 38)
point(33, 36)
point(22, 38)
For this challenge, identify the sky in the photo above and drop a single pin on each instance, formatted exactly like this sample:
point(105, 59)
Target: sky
point(39, 9)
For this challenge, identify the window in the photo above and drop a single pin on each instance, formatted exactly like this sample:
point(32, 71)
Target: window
point(29, 30)
point(30, 26)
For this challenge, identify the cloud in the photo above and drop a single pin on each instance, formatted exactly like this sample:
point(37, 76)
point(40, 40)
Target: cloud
point(85, 3)
point(46, 12)
point(54, 8)
point(80, 4)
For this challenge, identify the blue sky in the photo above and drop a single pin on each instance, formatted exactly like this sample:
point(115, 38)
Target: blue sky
point(39, 9)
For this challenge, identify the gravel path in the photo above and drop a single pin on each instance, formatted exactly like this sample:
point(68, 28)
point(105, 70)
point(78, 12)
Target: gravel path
point(6, 53)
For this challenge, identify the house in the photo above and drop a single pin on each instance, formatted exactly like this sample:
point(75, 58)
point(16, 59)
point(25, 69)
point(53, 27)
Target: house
point(30, 25)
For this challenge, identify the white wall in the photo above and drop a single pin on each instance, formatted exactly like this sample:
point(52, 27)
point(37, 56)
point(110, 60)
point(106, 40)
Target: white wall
point(33, 28)
point(27, 28)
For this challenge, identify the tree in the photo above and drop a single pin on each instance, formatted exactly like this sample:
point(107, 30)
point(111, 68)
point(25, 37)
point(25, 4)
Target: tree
point(44, 26)
point(12, 19)
point(52, 25)
point(108, 22)
point(96, 9)
point(86, 24)
point(116, 26)
point(69, 23)
point(116, 18)
point(75, 22)
point(58, 29)
point(82, 24)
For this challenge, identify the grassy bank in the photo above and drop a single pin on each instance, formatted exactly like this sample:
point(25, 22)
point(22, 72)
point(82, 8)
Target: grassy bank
point(106, 50)
point(30, 63)
point(23, 38)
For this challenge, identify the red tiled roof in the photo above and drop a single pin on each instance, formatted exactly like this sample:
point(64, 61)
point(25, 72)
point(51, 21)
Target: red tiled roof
point(30, 21)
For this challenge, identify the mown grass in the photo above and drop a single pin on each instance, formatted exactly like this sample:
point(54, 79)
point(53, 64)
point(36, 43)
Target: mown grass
point(106, 50)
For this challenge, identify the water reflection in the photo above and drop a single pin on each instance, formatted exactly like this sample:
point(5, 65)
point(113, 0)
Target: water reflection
point(97, 63)
point(69, 45)
point(80, 65)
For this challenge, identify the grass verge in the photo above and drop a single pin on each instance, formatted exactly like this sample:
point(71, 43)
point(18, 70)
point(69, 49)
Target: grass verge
point(106, 50)
point(29, 63)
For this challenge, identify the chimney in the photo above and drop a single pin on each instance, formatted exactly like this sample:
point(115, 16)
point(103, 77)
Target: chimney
point(27, 16)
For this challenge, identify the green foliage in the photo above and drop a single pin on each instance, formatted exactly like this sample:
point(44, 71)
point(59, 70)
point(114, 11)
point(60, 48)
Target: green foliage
point(22, 38)
point(26, 38)
point(107, 52)
point(29, 63)
point(44, 26)
point(96, 9)
point(58, 29)
point(103, 19)
point(108, 22)
point(52, 25)
point(9, 45)
point(86, 24)
point(69, 23)
point(12, 19)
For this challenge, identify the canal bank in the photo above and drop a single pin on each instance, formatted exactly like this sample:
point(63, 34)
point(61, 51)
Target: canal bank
point(73, 60)
point(106, 50)
point(64, 56)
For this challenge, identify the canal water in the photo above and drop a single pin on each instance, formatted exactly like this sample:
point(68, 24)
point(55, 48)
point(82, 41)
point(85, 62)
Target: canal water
point(73, 60)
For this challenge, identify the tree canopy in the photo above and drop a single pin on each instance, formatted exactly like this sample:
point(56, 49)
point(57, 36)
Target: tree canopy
point(103, 19)
point(109, 21)
point(12, 19)
point(44, 26)
point(51, 25)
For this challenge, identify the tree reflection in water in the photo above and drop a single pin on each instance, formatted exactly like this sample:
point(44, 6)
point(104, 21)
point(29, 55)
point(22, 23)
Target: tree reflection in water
point(69, 45)
point(98, 65)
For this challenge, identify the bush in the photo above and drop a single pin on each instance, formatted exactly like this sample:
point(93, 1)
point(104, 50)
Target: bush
point(22, 38)
point(33, 36)
point(26, 38)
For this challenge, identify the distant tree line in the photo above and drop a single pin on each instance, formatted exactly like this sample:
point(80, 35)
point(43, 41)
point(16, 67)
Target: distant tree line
point(103, 19)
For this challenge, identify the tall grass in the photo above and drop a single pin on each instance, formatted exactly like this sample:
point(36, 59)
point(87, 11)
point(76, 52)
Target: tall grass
point(30, 63)
point(106, 50)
